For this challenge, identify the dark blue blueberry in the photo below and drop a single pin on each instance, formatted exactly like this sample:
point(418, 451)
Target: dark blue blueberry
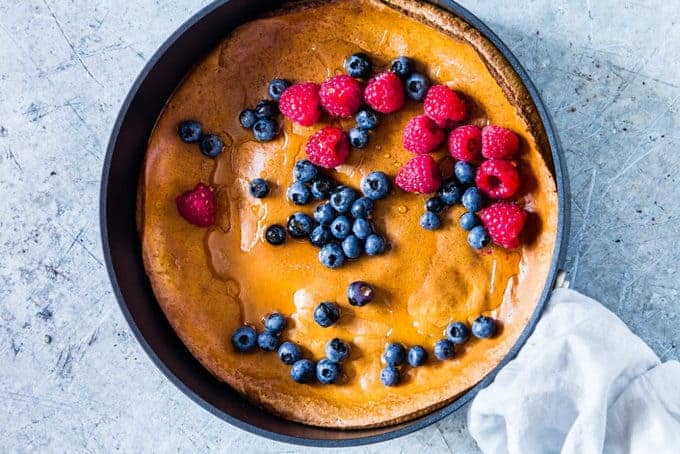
point(298, 193)
point(366, 119)
point(360, 293)
point(417, 86)
point(358, 65)
point(376, 185)
point(468, 221)
point(417, 356)
point(304, 171)
point(362, 228)
point(326, 314)
point(276, 88)
point(457, 332)
point(402, 66)
point(395, 354)
point(472, 199)
point(300, 225)
point(362, 208)
point(389, 376)
point(211, 145)
point(358, 138)
point(342, 199)
point(275, 322)
point(303, 371)
point(247, 118)
point(484, 327)
point(337, 350)
point(331, 256)
point(465, 172)
point(478, 237)
point(327, 371)
point(264, 130)
point(435, 205)
point(375, 244)
point(450, 192)
point(352, 247)
point(266, 109)
point(244, 339)
point(341, 227)
point(324, 214)
point(320, 236)
point(275, 234)
point(321, 188)
point(430, 221)
point(444, 349)
point(289, 353)
point(190, 131)
point(259, 188)
point(267, 341)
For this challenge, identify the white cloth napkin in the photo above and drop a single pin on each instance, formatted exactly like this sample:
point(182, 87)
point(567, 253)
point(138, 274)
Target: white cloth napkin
point(583, 383)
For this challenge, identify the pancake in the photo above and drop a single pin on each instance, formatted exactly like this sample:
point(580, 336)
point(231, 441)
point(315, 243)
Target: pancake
point(211, 281)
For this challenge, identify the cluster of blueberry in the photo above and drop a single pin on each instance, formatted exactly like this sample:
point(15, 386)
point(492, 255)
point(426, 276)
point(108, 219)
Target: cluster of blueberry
point(262, 119)
point(191, 131)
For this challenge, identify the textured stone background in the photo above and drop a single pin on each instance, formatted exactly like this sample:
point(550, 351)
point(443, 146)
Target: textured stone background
point(608, 71)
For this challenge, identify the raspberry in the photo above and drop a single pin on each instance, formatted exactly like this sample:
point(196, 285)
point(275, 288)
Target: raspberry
point(341, 96)
point(385, 92)
point(420, 174)
point(300, 103)
point(465, 143)
point(198, 206)
point(504, 221)
point(498, 143)
point(328, 147)
point(422, 135)
point(444, 106)
point(497, 178)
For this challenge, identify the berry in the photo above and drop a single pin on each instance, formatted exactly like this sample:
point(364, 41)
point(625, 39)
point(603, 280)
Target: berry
point(274, 322)
point(275, 234)
point(324, 214)
point(478, 237)
point(289, 353)
point(321, 188)
point(468, 221)
point(276, 88)
point(375, 244)
point(190, 131)
point(435, 205)
point(375, 185)
point(359, 293)
point(198, 206)
point(259, 188)
point(358, 138)
point(472, 200)
point(417, 356)
point(366, 119)
point(298, 193)
point(498, 178)
point(358, 65)
point(300, 225)
point(417, 86)
point(267, 341)
point(465, 143)
point(444, 106)
point(484, 327)
point(326, 314)
point(341, 227)
point(457, 332)
point(304, 171)
point(320, 236)
point(341, 96)
point(351, 247)
point(389, 376)
point(265, 130)
point(450, 192)
point(430, 221)
point(419, 174)
point(328, 147)
point(327, 371)
point(421, 135)
point(362, 208)
point(266, 109)
point(402, 66)
point(247, 118)
point(301, 103)
point(211, 145)
point(244, 339)
point(498, 143)
point(465, 172)
point(337, 350)
point(384, 93)
point(395, 354)
point(504, 221)
point(342, 199)
point(362, 228)
point(331, 256)
point(303, 370)
point(444, 349)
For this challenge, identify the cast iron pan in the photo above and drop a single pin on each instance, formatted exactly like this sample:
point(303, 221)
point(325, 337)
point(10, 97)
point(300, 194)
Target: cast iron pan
point(122, 249)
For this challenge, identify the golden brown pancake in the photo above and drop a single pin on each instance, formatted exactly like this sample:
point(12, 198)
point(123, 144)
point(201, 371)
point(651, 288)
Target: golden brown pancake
point(211, 281)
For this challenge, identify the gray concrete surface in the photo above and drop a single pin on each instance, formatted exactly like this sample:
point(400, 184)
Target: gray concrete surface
point(608, 71)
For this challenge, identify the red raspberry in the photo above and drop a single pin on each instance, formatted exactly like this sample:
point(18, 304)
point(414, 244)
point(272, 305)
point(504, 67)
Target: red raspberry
point(198, 206)
point(422, 135)
point(504, 221)
point(341, 96)
point(385, 92)
point(465, 143)
point(497, 178)
point(420, 174)
point(328, 147)
point(300, 103)
point(498, 143)
point(444, 106)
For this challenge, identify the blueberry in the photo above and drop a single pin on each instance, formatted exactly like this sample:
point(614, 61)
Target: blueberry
point(430, 221)
point(275, 234)
point(366, 119)
point(303, 371)
point(244, 339)
point(298, 193)
point(304, 171)
point(337, 350)
point(274, 322)
point(362, 228)
point(435, 205)
point(417, 86)
point(342, 199)
point(359, 293)
point(326, 314)
point(247, 118)
point(375, 244)
point(358, 138)
point(320, 236)
point(450, 192)
point(395, 354)
point(468, 221)
point(457, 332)
point(478, 237)
point(190, 131)
point(259, 188)
point(331, 256)
point(267, 341)
point(341, 227)
point(389, 376)
point(266, 109)
point(211, 145)
point(465, 172)
point(444, 349)
point(417, 356)
point(362, 208)
point(264, 130)
point(472, 199)
point(376, 185)
point(300, 225)
point(289, 353)
point(352, 247)
point(358, 65)
point(276, 88)
point(402, 66)
point(321, 188)
point(484, 327)
point(324, 214)
point(327, 371)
